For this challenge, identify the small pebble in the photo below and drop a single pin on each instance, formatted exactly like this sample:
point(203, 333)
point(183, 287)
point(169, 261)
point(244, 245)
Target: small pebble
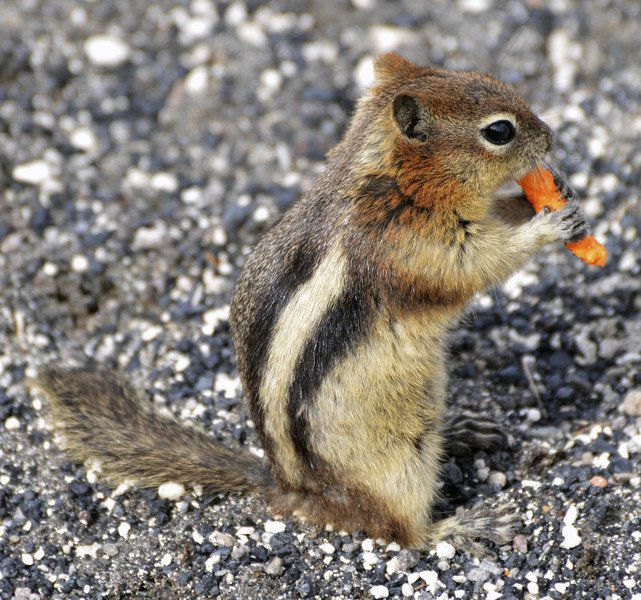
point(327, 548)
point(32, 173)
point(171, 490)
point(598, 481)
point(274, 566)
point(218, 538)
point(631, 404)
point(445, 550)
point(275, 526)
point(379, 591)
point(497, 478)
point(79, 263)
point(123, 529)
point(106, 51)
point(12, 423)
point(89, 550)
point(519, 543)
point(570, 516)
point(571, 537)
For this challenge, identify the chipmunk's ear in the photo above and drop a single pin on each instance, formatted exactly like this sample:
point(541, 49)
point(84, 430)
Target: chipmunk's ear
point(412, 119)
point(390, 65)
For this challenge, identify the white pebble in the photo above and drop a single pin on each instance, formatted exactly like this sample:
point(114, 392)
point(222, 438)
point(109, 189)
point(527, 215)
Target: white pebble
point(35, 172)
point(196, 80)
point(171, 490)
point(148, 238)
point(363, 4)
point(246, 530)
point(83, 138)
point(275, 526)
point(379, 591)
point(483, 473)
point(529, 483)
point(79, 263)
point(214, 559)
point(431, 579)
point(407, 590)
point(252, 33)
point(165, 561)
point(571, 537)
point(235, 14)
point(182, 363)
point(197, 537)
point(369, 558)
point(445, 550)
point(150, 333)
point(497, 478)
point(12, 423)
point(83, 551)
point(27, 559)
point(631, 404)
point(271, 79)
point(474, 6)
point(261, 214)
point(123, 529)
point(327, 548)
point(367, 545)
point(533, 415)
point(571, 515)
point(106, 50)
point(164, 182)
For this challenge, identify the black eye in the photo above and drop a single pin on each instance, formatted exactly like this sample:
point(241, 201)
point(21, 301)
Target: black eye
point(499, 132)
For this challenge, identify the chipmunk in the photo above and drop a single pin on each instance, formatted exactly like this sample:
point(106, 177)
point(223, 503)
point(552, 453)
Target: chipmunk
point(340, 319)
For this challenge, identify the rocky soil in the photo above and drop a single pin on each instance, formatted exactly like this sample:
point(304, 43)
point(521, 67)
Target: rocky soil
point(145, 146)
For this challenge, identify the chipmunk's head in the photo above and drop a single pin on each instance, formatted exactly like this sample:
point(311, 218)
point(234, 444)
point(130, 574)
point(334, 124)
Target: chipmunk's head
point(463, 126)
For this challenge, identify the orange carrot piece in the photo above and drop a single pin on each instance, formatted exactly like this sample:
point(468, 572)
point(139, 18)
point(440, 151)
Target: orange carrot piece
point(540, 190)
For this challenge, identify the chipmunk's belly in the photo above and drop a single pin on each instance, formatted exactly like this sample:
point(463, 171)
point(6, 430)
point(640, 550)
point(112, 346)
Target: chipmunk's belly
point(387, 391)
point(378, 415)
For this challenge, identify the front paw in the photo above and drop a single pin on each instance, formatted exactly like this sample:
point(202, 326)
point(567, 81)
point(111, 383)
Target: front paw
point(568, 224)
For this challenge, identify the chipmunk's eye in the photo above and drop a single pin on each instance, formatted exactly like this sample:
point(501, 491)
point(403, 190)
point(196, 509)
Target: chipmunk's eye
point(499, 133)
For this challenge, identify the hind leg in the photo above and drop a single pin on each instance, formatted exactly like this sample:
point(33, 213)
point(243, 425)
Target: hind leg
point(466, 433)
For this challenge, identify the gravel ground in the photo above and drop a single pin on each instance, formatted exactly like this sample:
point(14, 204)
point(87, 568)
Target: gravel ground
point(145, 146)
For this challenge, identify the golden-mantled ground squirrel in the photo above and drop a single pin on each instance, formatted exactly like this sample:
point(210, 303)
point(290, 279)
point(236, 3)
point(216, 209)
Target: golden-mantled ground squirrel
point(341, 316)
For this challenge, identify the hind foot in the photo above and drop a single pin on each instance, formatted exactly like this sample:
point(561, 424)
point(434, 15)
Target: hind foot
point(468, 526)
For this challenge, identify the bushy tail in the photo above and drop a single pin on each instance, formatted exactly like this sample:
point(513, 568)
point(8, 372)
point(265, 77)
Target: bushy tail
point(104, 419)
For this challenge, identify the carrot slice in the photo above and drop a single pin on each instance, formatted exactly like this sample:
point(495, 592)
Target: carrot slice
point(540, 189)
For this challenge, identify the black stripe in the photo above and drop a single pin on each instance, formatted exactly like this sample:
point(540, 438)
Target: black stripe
point(294, 273)
point(379, 185)
point(383, 191)
point(339, 331)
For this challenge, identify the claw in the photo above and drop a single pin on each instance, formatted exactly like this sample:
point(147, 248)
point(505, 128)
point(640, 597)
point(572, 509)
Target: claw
point(467, 432)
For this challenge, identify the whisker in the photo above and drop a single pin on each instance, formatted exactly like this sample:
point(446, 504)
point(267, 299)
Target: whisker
point(515, 37)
